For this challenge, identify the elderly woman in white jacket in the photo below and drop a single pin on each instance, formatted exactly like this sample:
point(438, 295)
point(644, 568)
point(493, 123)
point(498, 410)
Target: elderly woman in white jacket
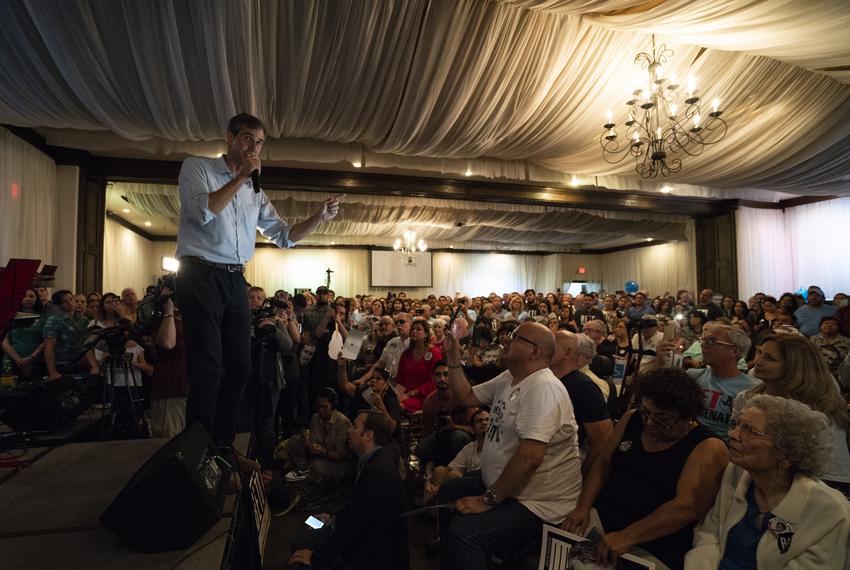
point(772, 512)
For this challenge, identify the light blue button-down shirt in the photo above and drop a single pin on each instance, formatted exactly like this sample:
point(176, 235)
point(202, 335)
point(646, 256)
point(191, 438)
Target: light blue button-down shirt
point(229, 236)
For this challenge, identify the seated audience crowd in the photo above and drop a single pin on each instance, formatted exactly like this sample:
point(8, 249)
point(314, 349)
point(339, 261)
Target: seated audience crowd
point(695, 431)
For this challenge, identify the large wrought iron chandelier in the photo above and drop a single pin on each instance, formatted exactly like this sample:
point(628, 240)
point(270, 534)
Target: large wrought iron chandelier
point(409, 247)
point(660, 129)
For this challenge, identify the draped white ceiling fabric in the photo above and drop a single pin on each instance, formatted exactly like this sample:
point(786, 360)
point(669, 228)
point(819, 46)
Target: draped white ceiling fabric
point(501, 88)
point(379, 220)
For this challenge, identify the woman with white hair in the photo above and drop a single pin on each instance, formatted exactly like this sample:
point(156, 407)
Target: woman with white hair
point(772, 512)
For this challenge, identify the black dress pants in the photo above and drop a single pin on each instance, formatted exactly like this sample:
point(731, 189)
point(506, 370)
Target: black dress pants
point(217, 331)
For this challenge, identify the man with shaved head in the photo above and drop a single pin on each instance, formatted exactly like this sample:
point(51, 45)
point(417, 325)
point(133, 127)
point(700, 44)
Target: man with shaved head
point(588, 401)
point(530, 464)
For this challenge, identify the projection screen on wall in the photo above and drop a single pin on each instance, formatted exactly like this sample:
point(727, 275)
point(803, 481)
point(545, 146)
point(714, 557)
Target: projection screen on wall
point(390, 270)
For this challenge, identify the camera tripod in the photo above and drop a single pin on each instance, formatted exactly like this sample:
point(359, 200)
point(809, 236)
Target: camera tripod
point(120, 401)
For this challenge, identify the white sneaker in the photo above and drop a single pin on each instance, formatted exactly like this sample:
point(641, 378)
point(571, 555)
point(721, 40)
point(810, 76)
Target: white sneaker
point(297, 475)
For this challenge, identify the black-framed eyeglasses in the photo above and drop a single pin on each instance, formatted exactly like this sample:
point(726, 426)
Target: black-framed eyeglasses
point(514, 335)
point(745, 428)
point(646, 415)
point(400, 322)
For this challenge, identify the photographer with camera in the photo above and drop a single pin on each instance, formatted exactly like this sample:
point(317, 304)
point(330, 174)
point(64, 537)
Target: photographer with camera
point(169, 385)
point(269, 338)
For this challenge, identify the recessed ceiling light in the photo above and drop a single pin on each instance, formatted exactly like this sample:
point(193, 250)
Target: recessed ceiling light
point(451, 247)
point(148, 224)
point(648, 239)
point(666, 189)
point(575, 181)
point(126, 210)
point(356, 164)
point(468, 172)
point(333, 243)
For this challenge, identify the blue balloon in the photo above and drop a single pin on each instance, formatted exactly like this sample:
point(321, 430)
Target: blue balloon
point(631, 287)
point(804, 291)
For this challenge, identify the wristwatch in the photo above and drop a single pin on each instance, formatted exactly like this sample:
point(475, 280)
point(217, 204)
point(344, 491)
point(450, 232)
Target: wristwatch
point(489, 498)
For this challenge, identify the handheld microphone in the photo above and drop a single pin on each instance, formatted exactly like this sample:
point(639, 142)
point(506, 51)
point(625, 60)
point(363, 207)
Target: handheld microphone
point(255, 181)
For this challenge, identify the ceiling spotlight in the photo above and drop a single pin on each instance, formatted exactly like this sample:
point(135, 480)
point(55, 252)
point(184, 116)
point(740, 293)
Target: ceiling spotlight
point(451, 247)
point(575, 181)
point(126, 210)
point(356, 164)
point(468, 172)
point(148, 224)
point(666, 189)
point(333, 243)
point(648, 239)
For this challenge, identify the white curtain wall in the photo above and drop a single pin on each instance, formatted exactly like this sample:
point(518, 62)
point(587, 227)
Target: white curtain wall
point(28, 202)
point(131, 260)
point(782, 251)
point(128, 259)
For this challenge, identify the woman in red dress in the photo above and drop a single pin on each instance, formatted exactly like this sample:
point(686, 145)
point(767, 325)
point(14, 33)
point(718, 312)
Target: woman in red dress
point(415, 377)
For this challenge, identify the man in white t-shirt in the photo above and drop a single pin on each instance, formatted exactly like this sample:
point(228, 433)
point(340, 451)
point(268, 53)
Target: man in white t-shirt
point(530, 464)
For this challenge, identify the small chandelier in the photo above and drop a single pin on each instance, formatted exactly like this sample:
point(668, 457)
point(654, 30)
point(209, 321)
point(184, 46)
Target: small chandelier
point(658, 127)
point(409, 248)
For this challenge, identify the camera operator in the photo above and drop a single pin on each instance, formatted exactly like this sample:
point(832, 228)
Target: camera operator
point(269, 337)
point(169, 385)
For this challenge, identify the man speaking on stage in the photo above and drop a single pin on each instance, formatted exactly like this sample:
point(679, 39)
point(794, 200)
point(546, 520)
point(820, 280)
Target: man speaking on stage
point(221, 209)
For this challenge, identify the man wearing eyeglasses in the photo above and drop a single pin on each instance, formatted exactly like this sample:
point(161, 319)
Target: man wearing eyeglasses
point(720, 380)
point(530, 464)
point(392, 352)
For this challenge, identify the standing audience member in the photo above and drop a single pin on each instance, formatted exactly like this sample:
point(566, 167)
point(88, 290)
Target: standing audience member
point(809, 315)
point(656, 476)
point(588, 312)
point(530, 465)
point(639, 308)
point(130, 304)
point(415, 377)
point(772, 511)
point(394, 348)
point(320, 320)
point(708, 306)
point(368, 533)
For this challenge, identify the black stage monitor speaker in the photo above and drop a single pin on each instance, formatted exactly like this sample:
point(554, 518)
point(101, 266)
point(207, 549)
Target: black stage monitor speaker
point(173, 499)
point(50, 405)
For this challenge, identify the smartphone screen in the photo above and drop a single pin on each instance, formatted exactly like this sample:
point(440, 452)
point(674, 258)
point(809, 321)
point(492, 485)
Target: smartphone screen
point(313, 522)
point(670, 331)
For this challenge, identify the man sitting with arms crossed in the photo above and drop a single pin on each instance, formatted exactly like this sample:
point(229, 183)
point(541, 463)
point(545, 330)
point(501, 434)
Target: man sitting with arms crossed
point(530, 464)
